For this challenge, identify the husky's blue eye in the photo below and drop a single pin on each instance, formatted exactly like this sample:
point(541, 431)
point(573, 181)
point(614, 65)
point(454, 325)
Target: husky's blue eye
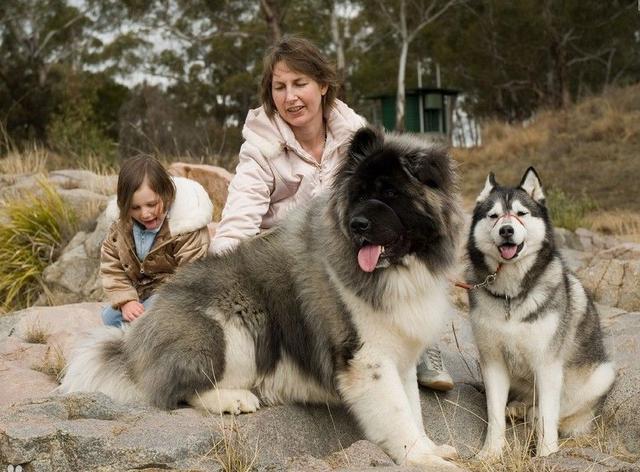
point(389, 193)
point(522, 213)
point(493, 216)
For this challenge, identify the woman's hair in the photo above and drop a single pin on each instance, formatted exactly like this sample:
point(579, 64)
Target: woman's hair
point(133, 173)
point(301, 56)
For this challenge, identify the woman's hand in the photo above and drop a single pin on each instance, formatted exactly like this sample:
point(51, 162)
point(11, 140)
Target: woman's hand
point(132, 310)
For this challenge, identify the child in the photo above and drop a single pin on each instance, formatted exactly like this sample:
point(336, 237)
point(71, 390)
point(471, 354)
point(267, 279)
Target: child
point(160, 224)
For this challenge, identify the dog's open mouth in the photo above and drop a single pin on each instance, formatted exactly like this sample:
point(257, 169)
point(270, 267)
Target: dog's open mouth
point(372, 256)
point(510, 251)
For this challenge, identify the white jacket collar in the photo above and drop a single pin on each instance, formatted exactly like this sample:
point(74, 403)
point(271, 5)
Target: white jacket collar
point(191, 210)
point(271, 135)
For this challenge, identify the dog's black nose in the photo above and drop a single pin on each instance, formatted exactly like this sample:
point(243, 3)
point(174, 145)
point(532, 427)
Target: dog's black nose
point(359, 224)
point(506, 231)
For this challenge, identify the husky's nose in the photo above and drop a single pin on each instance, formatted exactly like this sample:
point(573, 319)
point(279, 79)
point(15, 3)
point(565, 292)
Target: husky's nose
point(506, 231)
point(359, 224)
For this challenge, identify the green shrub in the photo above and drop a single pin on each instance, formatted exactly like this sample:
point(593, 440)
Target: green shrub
point(33, 229)
point(567, 211)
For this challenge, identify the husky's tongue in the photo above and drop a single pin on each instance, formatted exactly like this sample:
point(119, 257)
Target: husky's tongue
point(368, 256)
point(508, 251)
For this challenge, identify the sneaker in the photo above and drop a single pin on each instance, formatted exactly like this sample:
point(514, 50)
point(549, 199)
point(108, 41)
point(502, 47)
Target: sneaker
point(432, 373)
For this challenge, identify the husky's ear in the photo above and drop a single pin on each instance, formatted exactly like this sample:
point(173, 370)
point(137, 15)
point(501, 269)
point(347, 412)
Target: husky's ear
point(364, 141)
point(489, 185)
point(530, 183)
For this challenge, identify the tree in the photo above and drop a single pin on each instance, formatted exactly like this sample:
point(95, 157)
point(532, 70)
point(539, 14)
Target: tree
point(406, 28)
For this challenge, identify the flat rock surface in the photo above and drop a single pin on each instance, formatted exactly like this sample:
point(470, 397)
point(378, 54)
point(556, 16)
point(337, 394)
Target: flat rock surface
point(50, 432)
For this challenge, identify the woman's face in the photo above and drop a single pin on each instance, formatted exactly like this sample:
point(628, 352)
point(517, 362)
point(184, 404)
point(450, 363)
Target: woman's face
point(298, 98)
point(146, 207)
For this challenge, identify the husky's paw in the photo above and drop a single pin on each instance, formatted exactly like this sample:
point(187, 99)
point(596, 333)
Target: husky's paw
point(445, 451)
point(517, 410)
point(545, 450)
point(431, 462)
point(489, 453)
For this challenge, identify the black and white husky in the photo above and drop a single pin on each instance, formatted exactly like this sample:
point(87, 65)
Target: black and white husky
point(536, 328)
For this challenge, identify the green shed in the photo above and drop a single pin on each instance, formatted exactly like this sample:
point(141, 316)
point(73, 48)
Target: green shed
point(427, 110)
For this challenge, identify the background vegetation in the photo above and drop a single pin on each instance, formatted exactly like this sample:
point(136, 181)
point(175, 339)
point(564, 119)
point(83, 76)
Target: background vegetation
point(112, 78)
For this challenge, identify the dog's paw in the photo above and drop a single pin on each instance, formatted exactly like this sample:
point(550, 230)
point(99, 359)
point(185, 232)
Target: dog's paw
point(489, 453)
point(445, 451)
point(430, 462)
point(219, 401)
point(544, 450)
point(246, 402)
point(517, 410)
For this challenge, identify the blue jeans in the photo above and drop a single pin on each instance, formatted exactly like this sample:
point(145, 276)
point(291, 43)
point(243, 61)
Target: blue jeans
point(113, 317)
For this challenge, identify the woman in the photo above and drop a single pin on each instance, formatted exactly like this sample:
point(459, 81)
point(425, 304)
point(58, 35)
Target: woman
point(293, 143)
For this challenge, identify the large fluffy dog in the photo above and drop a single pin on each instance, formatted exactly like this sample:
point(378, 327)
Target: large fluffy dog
point(537, 331)
point(335, 304)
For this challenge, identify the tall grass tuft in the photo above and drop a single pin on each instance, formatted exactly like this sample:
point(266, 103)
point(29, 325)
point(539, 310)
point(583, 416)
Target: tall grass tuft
point(33, 228)
point(567, 212)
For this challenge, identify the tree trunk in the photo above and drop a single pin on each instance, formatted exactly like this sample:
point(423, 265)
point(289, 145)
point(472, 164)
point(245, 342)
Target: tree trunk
point(272, 17)
point(400, 96)
point(336, 36)
point(402, 67)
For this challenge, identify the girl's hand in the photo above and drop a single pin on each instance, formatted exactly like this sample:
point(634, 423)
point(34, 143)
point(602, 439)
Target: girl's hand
point(132, 310)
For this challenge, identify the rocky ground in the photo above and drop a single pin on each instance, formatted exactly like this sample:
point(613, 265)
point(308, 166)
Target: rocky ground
point(43, 431)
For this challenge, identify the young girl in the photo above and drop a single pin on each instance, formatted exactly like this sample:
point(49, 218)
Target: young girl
point(160, 224)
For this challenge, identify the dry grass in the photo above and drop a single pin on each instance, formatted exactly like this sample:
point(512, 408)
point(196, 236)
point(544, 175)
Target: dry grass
point(35, 333)
point(52, 363)
point(28, 161)
point(622, 223)
point(232, 451)
point(589, 149)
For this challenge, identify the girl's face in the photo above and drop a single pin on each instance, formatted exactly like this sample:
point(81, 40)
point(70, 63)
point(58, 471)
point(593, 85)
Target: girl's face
point(298, 98)
point(146, 207)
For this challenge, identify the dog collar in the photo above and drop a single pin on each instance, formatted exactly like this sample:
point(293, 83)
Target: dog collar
point(489, 279)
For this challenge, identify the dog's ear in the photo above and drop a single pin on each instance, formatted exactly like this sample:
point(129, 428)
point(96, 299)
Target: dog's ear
point(530, 183)
point(489, 185)
point(364, 141)
point(433, 167)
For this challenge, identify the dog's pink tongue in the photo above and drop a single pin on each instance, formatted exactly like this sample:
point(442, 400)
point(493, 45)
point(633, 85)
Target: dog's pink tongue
point(368, 256)
point(508, 252)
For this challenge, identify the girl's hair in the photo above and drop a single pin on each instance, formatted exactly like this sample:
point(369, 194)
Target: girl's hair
point(301, 56)
point(133, 173)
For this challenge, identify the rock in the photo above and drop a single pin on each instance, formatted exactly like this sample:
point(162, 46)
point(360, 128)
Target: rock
point(580, 460)
point(621, 406)
point(624, 251)
point(613, 282)
point(576, 260)
point(74, 277)
point(84, 179)
point(567, 239)
point(22, 359)
point(84, 203)
point(592, 241)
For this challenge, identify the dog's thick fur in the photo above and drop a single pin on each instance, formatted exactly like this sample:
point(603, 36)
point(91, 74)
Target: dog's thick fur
point(536, 328)
point(335, 304)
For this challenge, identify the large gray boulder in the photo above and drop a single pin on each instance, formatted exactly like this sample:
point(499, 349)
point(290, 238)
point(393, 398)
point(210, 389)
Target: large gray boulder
point(47, 431)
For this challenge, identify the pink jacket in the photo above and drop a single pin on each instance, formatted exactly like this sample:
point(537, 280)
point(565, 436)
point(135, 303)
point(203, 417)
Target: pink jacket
point(275, 173)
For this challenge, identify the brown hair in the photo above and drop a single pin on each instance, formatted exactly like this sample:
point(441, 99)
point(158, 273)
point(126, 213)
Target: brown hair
point(133, 173)
point(301, 56)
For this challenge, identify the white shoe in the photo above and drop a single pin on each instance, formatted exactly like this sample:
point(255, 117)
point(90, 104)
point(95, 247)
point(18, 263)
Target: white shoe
point(432, 372)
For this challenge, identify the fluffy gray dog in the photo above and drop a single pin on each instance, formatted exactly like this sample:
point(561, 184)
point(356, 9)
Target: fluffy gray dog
point(334, 305)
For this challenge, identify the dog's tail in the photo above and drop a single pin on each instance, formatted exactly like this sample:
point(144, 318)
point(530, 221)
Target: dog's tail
point(98, 365)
